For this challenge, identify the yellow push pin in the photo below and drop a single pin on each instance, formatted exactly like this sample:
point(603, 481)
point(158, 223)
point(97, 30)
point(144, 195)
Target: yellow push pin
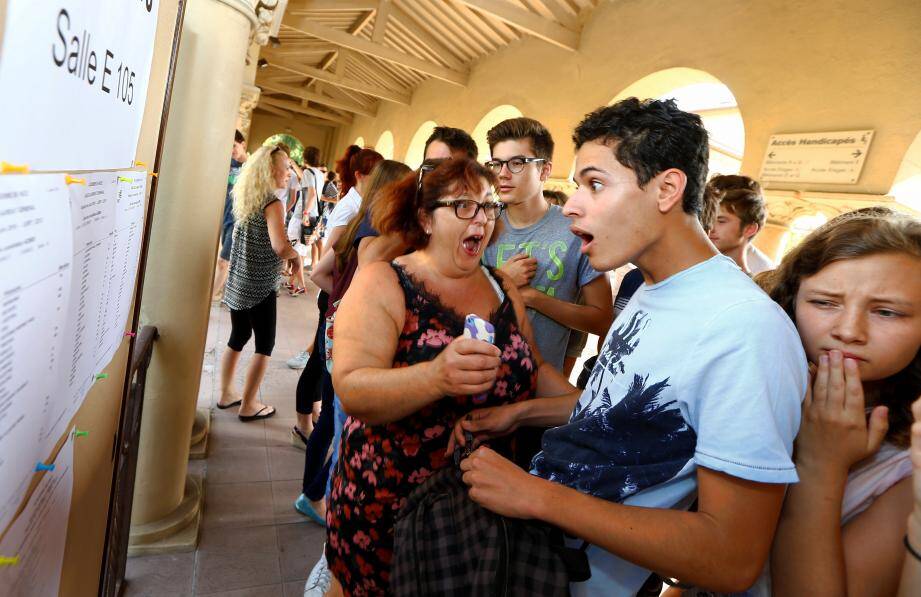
point(141, 164)
point(8, 168)
point(125, 179)
point(74, 180)
point(9, 561)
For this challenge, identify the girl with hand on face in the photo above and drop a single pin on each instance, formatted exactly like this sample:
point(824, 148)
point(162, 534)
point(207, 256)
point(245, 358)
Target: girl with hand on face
point(853, 288)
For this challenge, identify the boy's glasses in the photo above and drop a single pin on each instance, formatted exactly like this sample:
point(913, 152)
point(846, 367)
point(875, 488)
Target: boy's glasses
point(515, 164)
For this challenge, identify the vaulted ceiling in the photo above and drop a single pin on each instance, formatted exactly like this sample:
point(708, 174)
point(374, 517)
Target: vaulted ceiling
point(338, 58)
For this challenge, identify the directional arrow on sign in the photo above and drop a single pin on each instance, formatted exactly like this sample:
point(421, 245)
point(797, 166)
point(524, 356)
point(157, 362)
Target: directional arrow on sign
point(857, 153)
point(771, 155)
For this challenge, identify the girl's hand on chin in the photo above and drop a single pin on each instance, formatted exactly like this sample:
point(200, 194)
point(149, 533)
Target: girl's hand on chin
point(835, 432)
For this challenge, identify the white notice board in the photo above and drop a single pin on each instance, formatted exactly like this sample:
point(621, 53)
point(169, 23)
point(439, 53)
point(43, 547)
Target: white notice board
point(74, 77)
point(835, 158)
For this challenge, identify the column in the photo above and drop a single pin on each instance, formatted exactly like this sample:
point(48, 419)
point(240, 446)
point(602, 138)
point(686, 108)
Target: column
point(193, 174)
point(249, 97)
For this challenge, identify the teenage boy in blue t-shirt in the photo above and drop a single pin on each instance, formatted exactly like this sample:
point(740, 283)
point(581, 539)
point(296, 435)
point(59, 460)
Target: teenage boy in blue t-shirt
point(695, 394)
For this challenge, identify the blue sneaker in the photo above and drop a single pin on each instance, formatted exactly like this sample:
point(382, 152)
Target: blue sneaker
point(302, 505)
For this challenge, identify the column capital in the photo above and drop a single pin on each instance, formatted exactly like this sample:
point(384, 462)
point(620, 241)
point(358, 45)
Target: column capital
point(244, 7)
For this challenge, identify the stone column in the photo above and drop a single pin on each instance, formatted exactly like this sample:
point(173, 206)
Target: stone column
point(184, 240)
point(249, 97)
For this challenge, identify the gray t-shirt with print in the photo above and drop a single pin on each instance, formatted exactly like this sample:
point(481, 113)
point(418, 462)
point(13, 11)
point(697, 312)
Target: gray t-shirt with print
point(561, 271)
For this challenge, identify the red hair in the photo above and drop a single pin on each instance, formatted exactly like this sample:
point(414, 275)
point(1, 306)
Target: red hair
point(346, 176)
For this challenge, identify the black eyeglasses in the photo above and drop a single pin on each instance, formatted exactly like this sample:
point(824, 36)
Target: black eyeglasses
point(427, 166)
point(467, 209)
point(515, 164)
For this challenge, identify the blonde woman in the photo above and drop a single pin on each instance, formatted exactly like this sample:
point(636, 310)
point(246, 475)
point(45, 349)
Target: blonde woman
point(259, 246)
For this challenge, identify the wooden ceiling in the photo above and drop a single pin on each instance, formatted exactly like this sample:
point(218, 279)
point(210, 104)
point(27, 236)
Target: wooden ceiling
point(339, 58)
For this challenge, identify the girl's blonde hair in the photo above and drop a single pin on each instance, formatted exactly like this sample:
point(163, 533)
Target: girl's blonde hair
point(868, 231)
point(255, 182)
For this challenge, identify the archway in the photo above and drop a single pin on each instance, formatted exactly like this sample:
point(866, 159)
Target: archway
point(491, 119)
point(416, 151)
point(799, 229)
point(360, 141)
point(384, 145)
point(907, 186)
point(297, 148)
point(705, 95)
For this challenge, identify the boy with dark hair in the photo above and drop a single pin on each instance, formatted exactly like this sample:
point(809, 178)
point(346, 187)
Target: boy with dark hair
point(695, 394)
point(237, 157)
point(536, 248)
point(741, 216)
point(446, 142)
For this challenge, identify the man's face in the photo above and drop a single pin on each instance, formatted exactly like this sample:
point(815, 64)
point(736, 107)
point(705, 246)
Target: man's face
point(727, 232)
point(516, 188)
point(239, 150)
point(616, 220)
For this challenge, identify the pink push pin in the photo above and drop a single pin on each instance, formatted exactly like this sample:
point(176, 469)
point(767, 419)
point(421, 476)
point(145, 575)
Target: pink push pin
point(130, 334)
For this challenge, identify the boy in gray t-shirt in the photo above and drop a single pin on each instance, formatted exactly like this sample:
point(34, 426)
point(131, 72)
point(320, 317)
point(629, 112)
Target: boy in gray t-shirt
point(536, 248)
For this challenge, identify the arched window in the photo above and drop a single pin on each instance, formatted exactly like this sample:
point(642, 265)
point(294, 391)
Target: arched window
point(384, 145)
point(907, 186)
point(491, 119)
point(416, 152)
point(297, 148)
point(360, 141)
point(705, 95)
point(799, 229)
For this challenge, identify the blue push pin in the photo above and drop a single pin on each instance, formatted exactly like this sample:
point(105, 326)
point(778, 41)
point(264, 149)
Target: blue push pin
point(41, 466)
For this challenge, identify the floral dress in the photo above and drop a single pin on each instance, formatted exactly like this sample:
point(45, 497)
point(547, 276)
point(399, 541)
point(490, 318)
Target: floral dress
point(380, 465)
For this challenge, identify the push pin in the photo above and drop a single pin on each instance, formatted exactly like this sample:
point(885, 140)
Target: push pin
point(78, 433)
point(141, 164)
point(154, 174)
point(9, 561)
point(41, 466)
point(74, 180)
point(130, 334)
point(8, 168)
point(125, 179)
point(102, 376)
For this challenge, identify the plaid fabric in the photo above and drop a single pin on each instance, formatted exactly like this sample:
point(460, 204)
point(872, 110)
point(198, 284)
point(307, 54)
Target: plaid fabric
point(445, 544)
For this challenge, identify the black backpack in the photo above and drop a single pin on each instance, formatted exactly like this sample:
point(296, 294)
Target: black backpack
point(446, 544)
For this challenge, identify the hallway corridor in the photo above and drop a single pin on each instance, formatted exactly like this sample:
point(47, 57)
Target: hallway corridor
point(252, 542)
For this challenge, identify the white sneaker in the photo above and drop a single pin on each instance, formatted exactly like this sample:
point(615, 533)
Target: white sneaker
point(299, 361)
point(320, 579)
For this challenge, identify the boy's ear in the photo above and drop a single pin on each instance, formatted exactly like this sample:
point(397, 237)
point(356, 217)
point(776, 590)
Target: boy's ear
point(670, 186)
point(545, 170)
point(751, 230)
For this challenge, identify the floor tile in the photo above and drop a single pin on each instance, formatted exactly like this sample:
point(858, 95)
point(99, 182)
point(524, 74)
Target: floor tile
point(238, 465)
point(238, 504)
point(294, 589)
point(284, 493)
point(167, 574)
point(278, 431)
point(300, 546)
point(263, 591)
point(239, 540)
point(229, 571)
point(286, 463)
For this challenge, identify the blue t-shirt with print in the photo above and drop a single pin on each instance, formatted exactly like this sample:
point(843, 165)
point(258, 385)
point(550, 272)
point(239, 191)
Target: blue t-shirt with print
point(700, 369)
point(561, 271)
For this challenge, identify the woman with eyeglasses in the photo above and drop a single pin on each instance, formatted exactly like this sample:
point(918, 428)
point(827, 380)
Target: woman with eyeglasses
point(403, 370)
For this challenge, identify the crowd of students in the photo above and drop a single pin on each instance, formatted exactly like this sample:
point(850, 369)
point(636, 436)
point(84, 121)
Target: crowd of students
point(735, 435)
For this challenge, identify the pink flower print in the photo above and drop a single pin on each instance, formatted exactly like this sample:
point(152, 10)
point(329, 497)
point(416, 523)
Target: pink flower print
point(355, 461)
point(527, 363)
point(434, 338)
point(433, 432)
point(509, 353)
point(501, 388)
point(411, 325)
point(370, 477)
point(350, 490)
point(418, 476)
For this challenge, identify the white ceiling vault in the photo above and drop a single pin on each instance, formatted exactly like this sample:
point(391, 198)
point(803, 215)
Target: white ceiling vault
point(337, 58)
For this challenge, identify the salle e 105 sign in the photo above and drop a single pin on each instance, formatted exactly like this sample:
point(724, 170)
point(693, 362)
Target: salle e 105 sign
point(74, 77)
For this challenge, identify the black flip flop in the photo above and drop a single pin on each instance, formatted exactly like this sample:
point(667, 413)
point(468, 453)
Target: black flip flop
point(231, 405)
point(258, 415)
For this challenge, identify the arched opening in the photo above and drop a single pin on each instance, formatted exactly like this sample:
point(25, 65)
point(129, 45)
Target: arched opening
point(384, 145)
point(297, 148)
point(907, 186)
point(491, 119)
point(416, 152)
point(705, 95)
point(360, 141)
point(799, 229)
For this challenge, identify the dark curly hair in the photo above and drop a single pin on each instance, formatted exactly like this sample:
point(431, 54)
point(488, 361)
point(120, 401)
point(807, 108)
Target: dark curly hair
point(650, 136)
point(456, 139)
point(864, 232)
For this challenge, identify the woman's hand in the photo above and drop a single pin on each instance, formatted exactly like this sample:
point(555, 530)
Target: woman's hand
point(497, 484)
point(465, 366)
point(835, 433)
point(484, 424)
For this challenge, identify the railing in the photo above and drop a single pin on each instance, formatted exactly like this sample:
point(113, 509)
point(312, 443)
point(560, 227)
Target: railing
point(125, 458)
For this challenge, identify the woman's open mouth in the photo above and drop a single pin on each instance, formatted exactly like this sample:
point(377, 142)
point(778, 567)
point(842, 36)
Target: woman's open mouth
point(472, 244)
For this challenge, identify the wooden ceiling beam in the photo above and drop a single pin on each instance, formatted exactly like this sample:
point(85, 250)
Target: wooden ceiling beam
point(324, 75)
point(534, 24)
point(380, 20)
point(358, 44)
point(296, 107)
point(318, 98)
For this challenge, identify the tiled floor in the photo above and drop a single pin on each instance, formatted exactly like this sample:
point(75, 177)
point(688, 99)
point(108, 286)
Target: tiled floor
point(253, 543)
